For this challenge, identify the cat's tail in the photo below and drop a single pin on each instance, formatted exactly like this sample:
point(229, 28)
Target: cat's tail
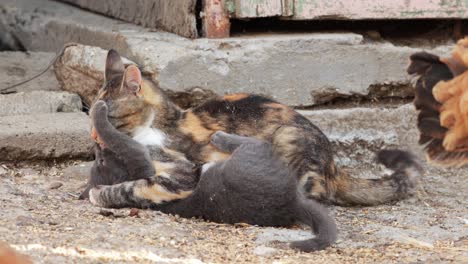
point(402, 183)
point(316, 216)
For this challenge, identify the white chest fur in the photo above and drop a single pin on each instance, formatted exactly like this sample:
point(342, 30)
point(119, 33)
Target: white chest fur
point(148, 136)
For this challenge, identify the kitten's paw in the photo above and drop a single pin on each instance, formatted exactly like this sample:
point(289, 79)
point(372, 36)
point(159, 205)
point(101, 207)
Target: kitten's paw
point(218, 138)
point(100, 104)
point(99, 108)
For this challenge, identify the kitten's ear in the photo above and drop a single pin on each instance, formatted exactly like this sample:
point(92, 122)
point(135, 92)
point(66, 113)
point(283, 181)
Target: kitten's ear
point(114, 65)
point(132, 79)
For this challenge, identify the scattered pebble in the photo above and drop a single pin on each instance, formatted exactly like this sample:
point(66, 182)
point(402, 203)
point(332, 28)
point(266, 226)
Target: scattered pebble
point(134, 212)
point(3, 171)
point(25, 220)
point(264, 251)
point(55, 185)
point(29, 174)
point(374, 35)
point(106, 213)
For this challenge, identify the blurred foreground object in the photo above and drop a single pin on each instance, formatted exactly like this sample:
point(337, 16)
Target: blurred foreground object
point(10, 256)
point(442, 101)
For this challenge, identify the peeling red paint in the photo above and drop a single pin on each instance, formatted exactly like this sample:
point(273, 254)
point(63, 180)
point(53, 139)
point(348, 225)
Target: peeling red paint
point(215, 21)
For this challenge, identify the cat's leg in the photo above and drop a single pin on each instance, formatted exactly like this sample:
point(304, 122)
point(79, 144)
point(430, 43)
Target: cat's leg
point(135, 156)
point(144, 193)
point(229, 142)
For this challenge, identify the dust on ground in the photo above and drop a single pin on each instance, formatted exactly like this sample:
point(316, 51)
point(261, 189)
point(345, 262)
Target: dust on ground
point(40, 216)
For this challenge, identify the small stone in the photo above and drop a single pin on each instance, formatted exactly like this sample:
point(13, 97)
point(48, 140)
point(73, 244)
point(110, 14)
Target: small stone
point(106, 213)
point(134, 212)
point(29, 174)
point(55, 185)
point(374, 35)
point(264, 251)
point(25, 220)
point(3, 171)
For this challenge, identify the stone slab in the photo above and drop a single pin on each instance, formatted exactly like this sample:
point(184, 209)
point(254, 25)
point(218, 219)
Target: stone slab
point(358, 133)
point(18, 66)
point(45, 136)
point(296, 69)
point(39, 102)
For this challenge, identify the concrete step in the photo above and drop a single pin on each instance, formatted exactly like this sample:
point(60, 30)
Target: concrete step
point(358, 133)
point(45, 136)
point(19, 66)
point(39, 102)
point(296, 69)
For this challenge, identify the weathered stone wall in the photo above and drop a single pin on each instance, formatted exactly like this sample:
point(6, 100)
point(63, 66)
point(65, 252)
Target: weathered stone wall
point(176, 16)
point(39, 121)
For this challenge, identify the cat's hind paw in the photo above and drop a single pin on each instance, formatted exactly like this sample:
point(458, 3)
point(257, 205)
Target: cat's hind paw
point(94, 196)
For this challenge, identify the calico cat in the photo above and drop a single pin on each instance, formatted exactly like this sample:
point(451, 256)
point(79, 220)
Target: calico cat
point(140, 109)
point(119, 159)
point(252, 186)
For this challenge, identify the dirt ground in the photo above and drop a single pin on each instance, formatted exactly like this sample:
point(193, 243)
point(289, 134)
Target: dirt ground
point(40, 216)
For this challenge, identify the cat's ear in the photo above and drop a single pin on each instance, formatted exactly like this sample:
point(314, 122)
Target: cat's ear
point(114, 65)
point(132, 79)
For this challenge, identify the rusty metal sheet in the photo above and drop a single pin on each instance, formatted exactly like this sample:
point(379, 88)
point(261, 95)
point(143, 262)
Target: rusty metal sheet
point(215, 19)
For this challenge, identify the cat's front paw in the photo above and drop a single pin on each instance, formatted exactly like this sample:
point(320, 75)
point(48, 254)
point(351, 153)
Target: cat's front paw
point(99, 109)
point(218, 138)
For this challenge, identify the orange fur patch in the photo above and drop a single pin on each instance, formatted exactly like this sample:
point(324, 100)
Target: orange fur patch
point(157, 193)
point(149, 94)
point(286, 114)
point(210, 153)
point(101, 94)
point(453, 95)
point(193, 125)
point(235, 97)
point(163, 167)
